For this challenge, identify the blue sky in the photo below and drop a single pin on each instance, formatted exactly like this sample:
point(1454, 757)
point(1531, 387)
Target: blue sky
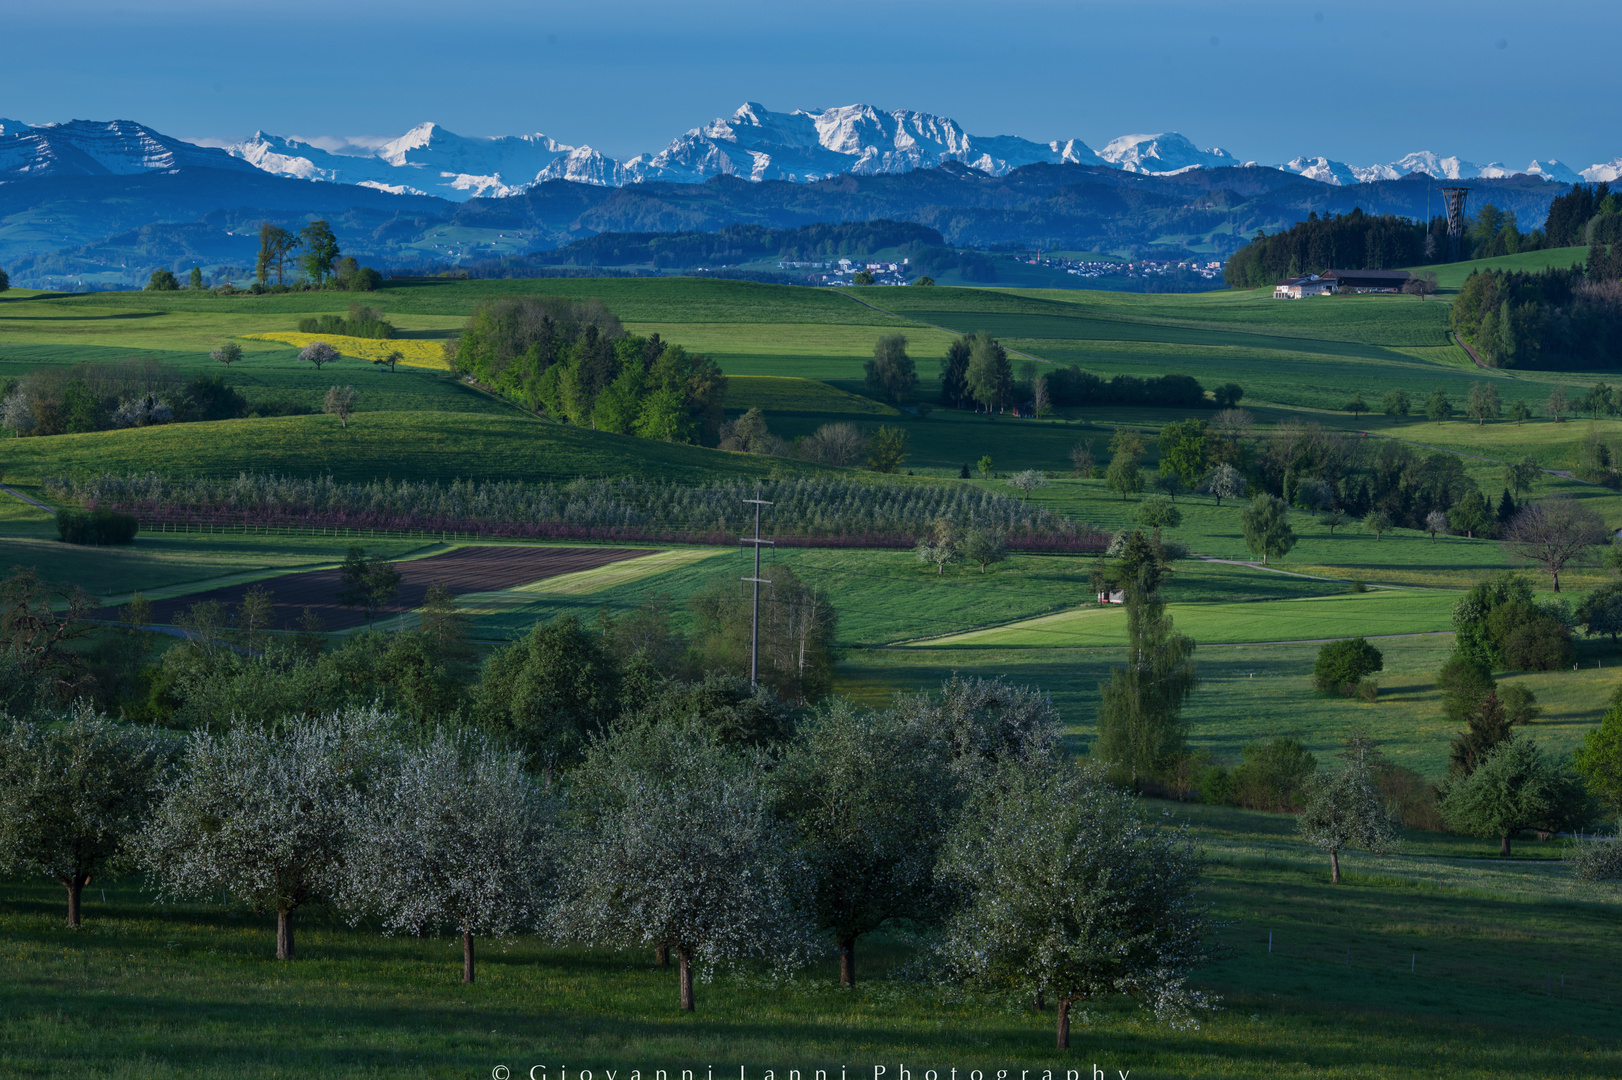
point(1363, 81)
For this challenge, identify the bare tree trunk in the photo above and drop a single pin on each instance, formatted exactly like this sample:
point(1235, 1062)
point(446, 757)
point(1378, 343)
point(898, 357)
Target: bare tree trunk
point(661, 955)
point(847, 961)
point(684, 957)
point(284, 935)
point(1503, 845)
point(1063, 1033)
point(467, 956)
point(75, 886)
point(1334, 866)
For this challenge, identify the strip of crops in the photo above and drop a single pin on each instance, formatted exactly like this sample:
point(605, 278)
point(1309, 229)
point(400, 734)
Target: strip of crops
point(806, 512)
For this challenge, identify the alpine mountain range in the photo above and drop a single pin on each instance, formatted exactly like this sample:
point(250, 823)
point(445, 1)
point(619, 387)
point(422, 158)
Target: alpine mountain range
point(754, 144)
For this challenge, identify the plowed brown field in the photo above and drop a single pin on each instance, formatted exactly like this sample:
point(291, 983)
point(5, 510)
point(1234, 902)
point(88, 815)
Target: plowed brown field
point(465, 570)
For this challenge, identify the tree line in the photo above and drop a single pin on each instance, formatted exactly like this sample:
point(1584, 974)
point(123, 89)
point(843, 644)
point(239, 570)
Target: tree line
point(574, 360)
point(710, 836)
point(322, 263)
point(137, 392)
point(1551, 318)
point(1359, 241)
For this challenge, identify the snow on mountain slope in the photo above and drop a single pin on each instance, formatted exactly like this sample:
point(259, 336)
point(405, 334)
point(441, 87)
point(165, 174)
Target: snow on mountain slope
point(98, 148)
point(428, 160)
point(757, 144)
point(1168, 152)
point(754, 143)
point(1608, 172)
point(1322, 169)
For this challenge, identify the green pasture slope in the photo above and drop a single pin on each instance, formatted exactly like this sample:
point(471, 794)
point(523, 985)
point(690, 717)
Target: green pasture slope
point(1430, 962)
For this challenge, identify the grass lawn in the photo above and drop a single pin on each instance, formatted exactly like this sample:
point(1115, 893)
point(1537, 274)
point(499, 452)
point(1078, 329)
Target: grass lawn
point(443, 446)
point(1382, 612)
point(1420, 965)
point(1251, 692)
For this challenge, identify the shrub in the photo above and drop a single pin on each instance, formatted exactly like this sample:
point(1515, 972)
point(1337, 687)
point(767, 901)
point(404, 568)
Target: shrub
point(1214, 786)
point(96, 527)
point(1413, 797)
point(1342, 664)
point(1273, 774)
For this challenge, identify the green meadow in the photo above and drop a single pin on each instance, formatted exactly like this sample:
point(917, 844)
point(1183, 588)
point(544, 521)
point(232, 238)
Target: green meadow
point(1439, 960)
point(1429, 962)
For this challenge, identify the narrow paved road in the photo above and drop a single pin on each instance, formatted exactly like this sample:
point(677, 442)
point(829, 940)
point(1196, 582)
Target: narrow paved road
point(27, 498)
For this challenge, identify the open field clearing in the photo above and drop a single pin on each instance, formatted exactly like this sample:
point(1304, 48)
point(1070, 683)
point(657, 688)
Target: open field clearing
point(788, 394)
point(423, 354)
point(1306, 619)
point(155, 564)
point(477, 569)
point(1258, 692)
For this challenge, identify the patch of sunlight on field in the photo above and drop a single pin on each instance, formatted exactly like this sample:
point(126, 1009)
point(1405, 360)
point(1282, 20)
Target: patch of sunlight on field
point(583, 582)
point(427, 354)
point(789, 393)
point(1368, 614)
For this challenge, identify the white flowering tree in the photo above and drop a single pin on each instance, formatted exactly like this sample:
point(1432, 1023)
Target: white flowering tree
point(262, 812)
point(451, 833)
point(870, 796)
point(1346, 810)
point(72, 794)
point(674, 842)
point(1070, 894)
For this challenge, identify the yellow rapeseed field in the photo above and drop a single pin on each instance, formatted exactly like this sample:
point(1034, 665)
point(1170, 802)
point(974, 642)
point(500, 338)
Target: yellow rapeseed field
point(415, 353)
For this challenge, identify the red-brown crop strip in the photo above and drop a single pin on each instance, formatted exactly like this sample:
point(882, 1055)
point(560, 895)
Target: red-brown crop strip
point(465, 570)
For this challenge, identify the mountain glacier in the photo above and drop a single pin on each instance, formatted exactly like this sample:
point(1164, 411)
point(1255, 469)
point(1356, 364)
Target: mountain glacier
point(753, 143)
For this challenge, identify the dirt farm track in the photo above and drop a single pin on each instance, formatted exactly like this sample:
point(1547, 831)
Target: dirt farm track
point(464, 570)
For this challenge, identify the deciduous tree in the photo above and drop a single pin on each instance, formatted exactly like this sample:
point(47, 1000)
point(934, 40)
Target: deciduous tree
point(228, 353)
point(320, 251)
point(451, 832)
point(263, 813)
point(73, 793)
point(890, 371)
point(548, 693)
point(319, 353)
point(1225, 482)
point(1347, 810)
point(1483, 404)
point(340, 402)
point(275, 245)
point(1554, 533)
point(1517, 786)
point(1071, 894)
point(1266, 524)
point(674, 843)
point(870, 796)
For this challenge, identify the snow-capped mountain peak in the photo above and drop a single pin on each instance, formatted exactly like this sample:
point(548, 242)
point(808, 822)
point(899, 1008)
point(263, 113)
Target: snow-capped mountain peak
point(753, 143)
point(1167, 152)
point(99, 148)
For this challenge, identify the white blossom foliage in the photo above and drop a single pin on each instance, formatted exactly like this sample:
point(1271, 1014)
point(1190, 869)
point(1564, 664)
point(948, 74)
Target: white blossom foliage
point(262, 811)
point(452, 833)
point(1346, 810)
point(674, 843)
